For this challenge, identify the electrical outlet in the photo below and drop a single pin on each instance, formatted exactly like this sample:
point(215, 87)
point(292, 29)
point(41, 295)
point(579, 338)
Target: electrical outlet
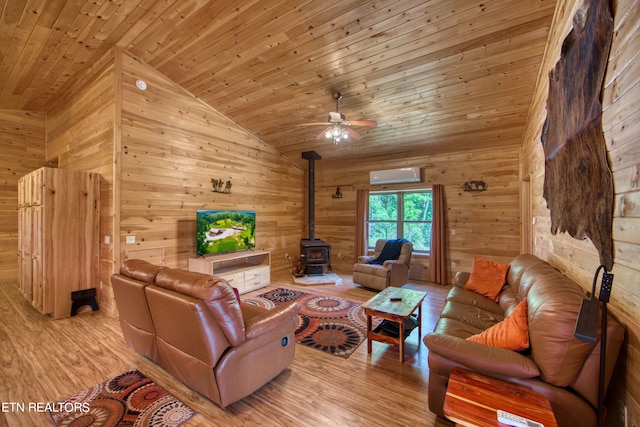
point(130, 240)
point(107, 240)
point(453, 265)
point(453, 231)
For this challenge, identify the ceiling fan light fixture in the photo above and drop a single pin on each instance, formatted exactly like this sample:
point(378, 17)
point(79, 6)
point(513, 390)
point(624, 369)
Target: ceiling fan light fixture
point(338, 128)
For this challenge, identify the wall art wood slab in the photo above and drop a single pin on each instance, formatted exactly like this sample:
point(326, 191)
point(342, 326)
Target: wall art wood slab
point(578, 184)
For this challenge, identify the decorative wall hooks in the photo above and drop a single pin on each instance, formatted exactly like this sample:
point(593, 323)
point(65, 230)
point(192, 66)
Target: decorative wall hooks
point(219, 186)
point(337, 194)
point(475, 186)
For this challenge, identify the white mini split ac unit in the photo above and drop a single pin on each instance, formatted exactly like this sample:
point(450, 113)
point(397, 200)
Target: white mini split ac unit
point(395, 176)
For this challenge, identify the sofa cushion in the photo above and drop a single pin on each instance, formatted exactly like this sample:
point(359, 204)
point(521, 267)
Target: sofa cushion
point(518, 266)
point(455, 328)
point(140, 270)
point(474, 316)
point(512, 333)
point(487, 278)
point(217, 294)
point(534, 274)
point(508, 300)
point(554, 304)
point(463, 296)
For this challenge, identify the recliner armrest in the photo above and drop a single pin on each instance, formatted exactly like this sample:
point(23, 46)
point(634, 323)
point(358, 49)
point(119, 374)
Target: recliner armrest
point(388, 264)
point(480, 357)
point(365, 259)
point(271, 319)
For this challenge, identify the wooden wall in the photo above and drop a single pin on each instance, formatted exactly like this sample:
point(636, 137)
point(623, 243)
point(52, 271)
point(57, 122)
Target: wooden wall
point(22, 144)
point(171, 146)
point(485, 224)
point(156, 151)
point(80, 135)
point(621, 124)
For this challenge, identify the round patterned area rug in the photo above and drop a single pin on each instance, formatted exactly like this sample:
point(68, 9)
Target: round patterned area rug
point(128, 399)
point(330, 324)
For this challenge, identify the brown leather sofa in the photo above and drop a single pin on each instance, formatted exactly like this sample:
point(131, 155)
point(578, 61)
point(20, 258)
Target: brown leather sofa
point(563, 368)
point(393, 272)
point(193, 325)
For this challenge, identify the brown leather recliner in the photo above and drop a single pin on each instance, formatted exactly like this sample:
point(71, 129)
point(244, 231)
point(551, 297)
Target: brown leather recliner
point(380, 276)
point(131, 300)
point(193, 325)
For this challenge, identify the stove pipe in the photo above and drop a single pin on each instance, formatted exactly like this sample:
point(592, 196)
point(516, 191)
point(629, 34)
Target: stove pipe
point(311, 156)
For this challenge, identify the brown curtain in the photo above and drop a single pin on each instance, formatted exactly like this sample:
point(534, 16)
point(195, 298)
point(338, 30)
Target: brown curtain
point(437, 262)
point(360, 245)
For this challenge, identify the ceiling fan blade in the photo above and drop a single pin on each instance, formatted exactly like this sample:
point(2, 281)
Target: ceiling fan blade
point(353, 134)
point(313, 124)
point(321, 134)
point(362, 123)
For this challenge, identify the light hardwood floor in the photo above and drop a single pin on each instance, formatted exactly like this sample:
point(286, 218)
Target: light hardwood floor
point(44, 360)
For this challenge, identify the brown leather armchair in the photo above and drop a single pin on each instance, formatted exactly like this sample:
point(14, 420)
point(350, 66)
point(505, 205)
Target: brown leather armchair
point(390, 273)
point(204, 336)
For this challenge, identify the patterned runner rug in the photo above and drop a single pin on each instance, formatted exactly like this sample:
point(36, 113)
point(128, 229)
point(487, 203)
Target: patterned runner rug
point(333, 325)
point(128, 399)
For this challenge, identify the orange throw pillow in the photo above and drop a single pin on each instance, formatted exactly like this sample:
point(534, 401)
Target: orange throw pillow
point(487, 278)
point(512, 333)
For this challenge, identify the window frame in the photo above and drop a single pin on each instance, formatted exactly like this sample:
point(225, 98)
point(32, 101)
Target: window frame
point(399, 221)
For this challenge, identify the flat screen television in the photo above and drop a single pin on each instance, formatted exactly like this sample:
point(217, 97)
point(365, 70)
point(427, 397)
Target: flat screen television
point(219, 231)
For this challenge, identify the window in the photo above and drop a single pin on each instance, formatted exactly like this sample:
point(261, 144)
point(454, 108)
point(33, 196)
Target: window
point(400, 214)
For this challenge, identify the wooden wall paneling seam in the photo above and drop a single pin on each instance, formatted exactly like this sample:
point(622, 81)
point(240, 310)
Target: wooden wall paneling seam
point(115, 231)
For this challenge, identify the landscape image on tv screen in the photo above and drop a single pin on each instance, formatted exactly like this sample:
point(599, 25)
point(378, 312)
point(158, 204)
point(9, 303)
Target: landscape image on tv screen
point(220, 231)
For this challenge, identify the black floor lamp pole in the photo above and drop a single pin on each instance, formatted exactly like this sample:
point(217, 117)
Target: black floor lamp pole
point(586, 328)
point(603, 349)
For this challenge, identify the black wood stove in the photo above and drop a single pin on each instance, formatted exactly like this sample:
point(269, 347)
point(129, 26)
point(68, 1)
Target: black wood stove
point(314, 253)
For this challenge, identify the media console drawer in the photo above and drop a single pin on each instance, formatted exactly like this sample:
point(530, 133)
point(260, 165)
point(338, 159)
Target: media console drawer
point(257, 278)
point(234, 279)
point(245, 271)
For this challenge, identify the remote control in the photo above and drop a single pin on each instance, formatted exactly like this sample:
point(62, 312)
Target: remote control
point(395, 299)
point(605, 287)
point(515, 420)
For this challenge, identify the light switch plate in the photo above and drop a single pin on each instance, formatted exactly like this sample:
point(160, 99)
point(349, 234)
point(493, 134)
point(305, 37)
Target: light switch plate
point(130, 240)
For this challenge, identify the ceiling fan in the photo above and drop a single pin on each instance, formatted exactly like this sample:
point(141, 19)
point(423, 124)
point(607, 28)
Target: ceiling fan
point(338, 127)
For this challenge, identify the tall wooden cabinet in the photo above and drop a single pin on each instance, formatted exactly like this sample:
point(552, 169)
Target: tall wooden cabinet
point(59, 237)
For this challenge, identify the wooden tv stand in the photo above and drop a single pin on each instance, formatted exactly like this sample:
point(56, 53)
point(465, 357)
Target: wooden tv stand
point(246, 271)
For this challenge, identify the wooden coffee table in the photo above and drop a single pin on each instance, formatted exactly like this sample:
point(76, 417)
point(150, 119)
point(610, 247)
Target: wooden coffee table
point(473, 400)
point(384, 306)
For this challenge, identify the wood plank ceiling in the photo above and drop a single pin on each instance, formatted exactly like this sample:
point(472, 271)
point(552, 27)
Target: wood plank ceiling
point(437, 75)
